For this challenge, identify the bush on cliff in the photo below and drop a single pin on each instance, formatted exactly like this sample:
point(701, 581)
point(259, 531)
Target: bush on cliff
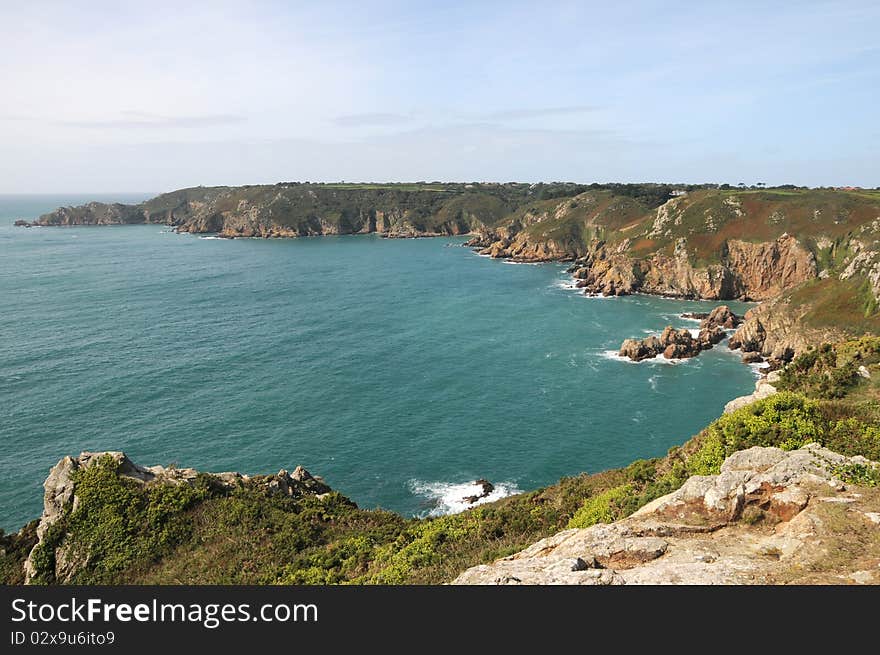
point(118, 524)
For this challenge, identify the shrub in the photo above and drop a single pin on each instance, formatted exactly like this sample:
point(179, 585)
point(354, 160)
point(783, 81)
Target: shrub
point(602, 508)
point(785, 420)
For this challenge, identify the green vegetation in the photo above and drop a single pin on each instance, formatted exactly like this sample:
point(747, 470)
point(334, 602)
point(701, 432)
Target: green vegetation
point(605, 507)
point(785, 420)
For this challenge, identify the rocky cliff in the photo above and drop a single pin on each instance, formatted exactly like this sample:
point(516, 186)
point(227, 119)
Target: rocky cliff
point(61, 501)
point(745, 271)
point(770, 516)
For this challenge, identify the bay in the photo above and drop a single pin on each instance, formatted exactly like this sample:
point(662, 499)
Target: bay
point(398, 369)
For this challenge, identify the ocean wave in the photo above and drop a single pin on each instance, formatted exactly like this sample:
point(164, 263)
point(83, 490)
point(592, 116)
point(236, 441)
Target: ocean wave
point(213, 238)
point(448, 497)
point(568, 285)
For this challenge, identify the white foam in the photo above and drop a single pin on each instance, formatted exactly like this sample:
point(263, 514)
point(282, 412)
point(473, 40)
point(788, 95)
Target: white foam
point(598, 296)
point(689, 318)
point(657, 359)
point(448, 497)
point(214, 238)
point(695, 332)
point(568, 285)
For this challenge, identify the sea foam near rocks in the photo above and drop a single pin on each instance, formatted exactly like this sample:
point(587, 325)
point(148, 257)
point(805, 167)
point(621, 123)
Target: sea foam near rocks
point(449, 497)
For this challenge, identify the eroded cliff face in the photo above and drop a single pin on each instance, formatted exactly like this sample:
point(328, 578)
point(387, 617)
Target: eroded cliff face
point(769, 517)
point(746, 271)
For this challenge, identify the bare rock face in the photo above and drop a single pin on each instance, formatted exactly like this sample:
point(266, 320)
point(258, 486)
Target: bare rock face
point(765, 518)
point(747, 271)
point(765, 270)
point(60, 493)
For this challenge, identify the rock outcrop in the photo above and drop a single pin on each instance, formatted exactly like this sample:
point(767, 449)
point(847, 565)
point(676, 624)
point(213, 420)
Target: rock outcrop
point(677, 343)
point(770, 516)
point(60, 492)
point(776, 331)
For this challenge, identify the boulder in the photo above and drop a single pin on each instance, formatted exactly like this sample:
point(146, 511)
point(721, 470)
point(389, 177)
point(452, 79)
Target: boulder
point(672, 343)
point(709, 336)
point(637, 349)
point(721, 317)
point(752, 358)
point(682, 351)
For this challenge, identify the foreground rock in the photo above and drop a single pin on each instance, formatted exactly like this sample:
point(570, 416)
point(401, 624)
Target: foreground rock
point(769, 517)
point(60, 490)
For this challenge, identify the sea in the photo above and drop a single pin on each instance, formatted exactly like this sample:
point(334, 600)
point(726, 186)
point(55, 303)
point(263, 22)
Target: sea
point(400, 370)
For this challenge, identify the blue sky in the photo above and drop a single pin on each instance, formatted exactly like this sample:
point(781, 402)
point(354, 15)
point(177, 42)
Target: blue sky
point(153, 96)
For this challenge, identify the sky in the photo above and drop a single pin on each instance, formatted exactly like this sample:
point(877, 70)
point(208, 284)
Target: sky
point(135, 96)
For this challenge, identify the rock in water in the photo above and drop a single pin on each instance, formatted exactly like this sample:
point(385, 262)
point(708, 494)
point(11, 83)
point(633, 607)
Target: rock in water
point(709, 336)
point(721, 317)
point(672, 343)
point(486, 489)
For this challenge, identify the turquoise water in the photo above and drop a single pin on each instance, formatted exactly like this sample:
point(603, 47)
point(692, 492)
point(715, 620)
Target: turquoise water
point(394, 368)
